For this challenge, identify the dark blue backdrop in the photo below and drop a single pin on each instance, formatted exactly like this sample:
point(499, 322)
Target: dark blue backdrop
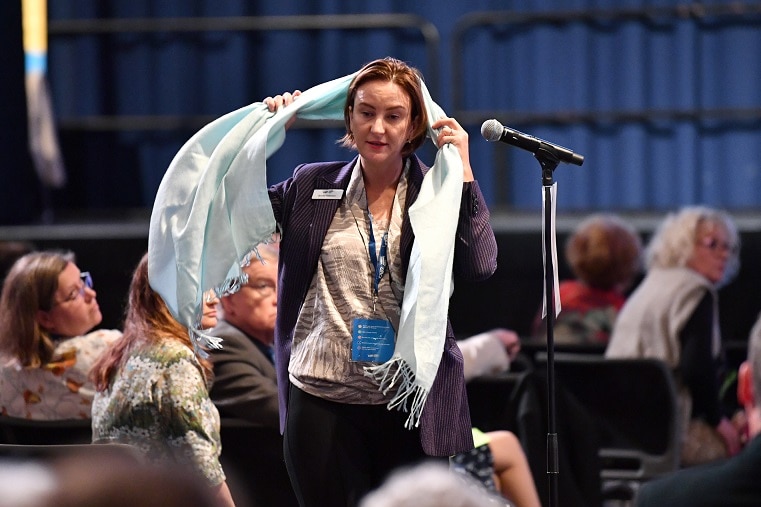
point(663, 103)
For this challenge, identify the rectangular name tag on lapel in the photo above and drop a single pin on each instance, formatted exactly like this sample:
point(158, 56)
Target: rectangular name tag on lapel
point(327, 193)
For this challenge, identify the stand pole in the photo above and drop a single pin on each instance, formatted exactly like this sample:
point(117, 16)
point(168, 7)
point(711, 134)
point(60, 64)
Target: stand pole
point(549, 162)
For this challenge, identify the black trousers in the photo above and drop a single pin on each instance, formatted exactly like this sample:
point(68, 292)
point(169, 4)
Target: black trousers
point(336, 453)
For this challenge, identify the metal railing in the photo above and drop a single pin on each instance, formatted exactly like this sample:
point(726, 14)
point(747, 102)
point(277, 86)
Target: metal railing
point(734, 13)
point(78, 27)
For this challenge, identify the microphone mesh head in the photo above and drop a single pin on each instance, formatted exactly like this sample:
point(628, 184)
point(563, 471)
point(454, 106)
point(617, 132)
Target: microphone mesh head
point(491, 130)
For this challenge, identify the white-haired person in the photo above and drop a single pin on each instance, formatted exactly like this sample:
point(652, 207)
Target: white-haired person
point(673, 316)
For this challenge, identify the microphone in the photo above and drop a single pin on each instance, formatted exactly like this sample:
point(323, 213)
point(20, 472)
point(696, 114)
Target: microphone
point(492, 130)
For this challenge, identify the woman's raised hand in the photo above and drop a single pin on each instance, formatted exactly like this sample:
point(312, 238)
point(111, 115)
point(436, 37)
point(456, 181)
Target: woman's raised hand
point(278, 101)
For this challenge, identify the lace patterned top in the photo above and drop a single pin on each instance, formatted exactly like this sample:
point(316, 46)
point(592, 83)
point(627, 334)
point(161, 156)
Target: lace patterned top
point(159, 402)
point(59, 389)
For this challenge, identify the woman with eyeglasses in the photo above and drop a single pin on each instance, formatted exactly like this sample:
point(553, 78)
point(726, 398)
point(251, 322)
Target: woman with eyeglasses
point(48, 308)
point(673, 316)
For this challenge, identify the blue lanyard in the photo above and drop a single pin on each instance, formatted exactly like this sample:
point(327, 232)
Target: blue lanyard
point(379, 264)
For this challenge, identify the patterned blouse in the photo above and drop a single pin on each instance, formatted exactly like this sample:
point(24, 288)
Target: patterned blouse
point(58, 390)
point(587, 314)
point(159, 402)
point(340, 291)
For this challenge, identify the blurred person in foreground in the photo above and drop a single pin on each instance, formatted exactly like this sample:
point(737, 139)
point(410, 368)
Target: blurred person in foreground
point(733, 482)
point(673, 316)
point(96, 476)
point(428, 485)
point(48, 309)
point(153, 391)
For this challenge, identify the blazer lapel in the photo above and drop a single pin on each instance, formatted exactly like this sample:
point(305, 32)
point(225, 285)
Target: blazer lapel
point(323, 210)
point(414, 182)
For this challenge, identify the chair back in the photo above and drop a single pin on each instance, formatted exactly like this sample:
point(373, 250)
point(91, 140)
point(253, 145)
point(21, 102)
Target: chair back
point(518, 402)
point(19, 431)
point(492, 401)
point(634, 405)
point(124, 452)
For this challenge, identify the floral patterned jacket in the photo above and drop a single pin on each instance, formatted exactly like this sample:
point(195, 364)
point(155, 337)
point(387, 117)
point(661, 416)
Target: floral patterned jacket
point(60, 389)
point(159, 402)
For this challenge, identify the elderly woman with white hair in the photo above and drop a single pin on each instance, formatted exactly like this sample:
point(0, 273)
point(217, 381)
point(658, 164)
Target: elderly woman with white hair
point(673, 316)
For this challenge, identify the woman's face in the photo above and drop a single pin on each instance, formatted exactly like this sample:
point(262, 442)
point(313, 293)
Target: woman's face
point(711, 251)
point(380, 123)
point(74, 310)
point(209, 316)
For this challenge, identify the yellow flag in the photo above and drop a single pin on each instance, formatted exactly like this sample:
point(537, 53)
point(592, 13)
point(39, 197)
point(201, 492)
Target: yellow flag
point(35, 23)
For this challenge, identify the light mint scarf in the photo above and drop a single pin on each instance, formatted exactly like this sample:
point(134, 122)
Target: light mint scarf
point(212, 208)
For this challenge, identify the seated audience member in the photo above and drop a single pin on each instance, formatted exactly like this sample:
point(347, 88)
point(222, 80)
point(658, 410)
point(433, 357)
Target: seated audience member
point(245, 385)
point(47, 309)
point(153, 391)
point(733, 482)
point(605, 256)
point(673, 316)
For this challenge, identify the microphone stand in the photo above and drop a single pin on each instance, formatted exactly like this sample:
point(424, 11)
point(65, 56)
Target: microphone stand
point(549, 162)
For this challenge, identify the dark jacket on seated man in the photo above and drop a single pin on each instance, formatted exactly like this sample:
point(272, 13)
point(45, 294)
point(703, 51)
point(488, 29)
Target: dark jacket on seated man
point(245, 386)
point(244, 378)
point(733, 482)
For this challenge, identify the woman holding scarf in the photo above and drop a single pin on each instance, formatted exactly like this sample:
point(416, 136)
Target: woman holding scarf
point(359, 396)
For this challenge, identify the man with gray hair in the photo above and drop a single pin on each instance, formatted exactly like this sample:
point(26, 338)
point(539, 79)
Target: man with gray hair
point(244, 373)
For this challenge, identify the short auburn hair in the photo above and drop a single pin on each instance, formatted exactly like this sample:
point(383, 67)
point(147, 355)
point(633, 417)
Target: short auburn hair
point(408, 78)
point(605, 252)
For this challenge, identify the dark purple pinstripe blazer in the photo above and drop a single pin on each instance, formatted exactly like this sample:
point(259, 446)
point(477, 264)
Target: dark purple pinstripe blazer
point(445, 427)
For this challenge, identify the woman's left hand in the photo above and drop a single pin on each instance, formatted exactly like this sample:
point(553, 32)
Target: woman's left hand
point(452, 133)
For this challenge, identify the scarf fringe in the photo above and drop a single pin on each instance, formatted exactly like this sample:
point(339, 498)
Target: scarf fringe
point(388, 377)
point(233, 284)
point(202, 341)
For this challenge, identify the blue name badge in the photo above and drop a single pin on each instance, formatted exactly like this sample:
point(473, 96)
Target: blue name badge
point(372, 340)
